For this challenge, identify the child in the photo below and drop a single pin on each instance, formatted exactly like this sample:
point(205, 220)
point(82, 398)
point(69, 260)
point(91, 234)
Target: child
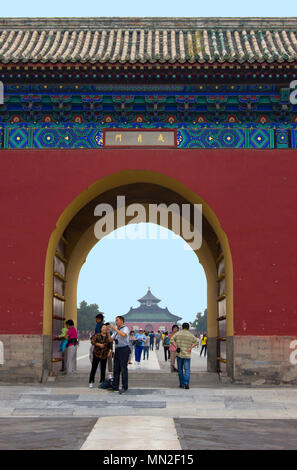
point(64, 341)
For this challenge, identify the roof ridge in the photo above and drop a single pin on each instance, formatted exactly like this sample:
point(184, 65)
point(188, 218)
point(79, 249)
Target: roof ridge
point(184, 23)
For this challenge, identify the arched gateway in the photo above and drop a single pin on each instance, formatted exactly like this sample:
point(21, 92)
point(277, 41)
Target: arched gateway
point(173, 111)
point(74, 237)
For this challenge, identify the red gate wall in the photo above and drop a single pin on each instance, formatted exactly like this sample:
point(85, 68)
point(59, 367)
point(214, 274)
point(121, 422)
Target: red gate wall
point(252, 192)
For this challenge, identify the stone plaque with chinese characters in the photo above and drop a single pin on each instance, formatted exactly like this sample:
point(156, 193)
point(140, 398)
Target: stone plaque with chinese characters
point(139, 138)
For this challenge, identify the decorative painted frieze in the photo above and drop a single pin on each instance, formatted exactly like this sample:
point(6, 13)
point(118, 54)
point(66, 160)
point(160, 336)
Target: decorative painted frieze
point(199, 136)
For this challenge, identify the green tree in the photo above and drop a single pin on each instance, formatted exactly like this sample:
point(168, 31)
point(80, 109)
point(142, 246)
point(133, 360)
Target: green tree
point(86, 316)
point(200, 322)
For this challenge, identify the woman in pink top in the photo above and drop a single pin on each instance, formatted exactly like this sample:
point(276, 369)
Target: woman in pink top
point(71, 347)
point(172, 350)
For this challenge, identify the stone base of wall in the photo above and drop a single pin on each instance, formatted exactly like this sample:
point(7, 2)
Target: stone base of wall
point(212, 363)
point(27, 358)
point(264, 360)
point(250, 359)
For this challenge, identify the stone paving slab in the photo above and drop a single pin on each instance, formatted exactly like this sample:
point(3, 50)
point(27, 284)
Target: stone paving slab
point(44, 433)
point(105, 404)
point(290, 404)
point(5, 395)
point(89, 404)
point(122, 411)
point(141, 433)
point(42, 412)
point(95, 396)
point(70, 390)
point(19, 389)
point(100, 412)
point(6, 411)
point(219, 406)
point(235, 434)
point(137, 394)
point(143, 404)
point(49, 396)
point(146, 391)
point(126, 444)
point(35, 405)
point(240, 414)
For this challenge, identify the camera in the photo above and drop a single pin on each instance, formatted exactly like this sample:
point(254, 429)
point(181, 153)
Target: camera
point(178, 350)
point(116, 341)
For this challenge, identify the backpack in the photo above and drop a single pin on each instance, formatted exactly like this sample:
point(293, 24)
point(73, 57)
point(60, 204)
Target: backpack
point(166, 341)
point(106, 384)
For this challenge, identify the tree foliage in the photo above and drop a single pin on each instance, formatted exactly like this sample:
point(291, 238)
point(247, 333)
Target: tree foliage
point(86, 316)
point(200, 322)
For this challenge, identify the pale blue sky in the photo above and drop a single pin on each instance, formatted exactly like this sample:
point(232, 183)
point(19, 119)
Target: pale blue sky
point(55, 8)
point(117, 273)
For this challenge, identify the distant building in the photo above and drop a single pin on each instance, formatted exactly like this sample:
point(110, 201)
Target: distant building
point(149, 316)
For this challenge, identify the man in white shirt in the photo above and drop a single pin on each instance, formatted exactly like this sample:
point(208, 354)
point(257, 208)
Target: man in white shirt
point(120, 336)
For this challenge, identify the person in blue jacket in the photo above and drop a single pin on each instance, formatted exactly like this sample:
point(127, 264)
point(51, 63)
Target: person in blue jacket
point(140, 339)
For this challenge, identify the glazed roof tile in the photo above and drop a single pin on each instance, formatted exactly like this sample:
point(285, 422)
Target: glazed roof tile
point(149, 296)
point(148, 40)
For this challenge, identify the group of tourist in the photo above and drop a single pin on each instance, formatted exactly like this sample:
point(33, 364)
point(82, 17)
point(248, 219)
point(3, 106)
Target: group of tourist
point(177, 348)
point(143, 341)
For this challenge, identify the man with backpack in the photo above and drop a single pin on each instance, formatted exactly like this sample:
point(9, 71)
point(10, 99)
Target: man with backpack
point(166, 345)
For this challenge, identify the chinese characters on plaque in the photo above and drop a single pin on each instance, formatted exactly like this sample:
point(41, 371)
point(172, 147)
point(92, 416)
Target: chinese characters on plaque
point(138, 138)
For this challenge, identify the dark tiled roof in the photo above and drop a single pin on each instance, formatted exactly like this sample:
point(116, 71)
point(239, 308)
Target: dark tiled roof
point(151, 316)
point(146, 309)
point(154, 313)
point(149, 296)
point(148, 40)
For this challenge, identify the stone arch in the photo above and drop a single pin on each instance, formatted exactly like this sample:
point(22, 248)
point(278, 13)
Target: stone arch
point(74, 237)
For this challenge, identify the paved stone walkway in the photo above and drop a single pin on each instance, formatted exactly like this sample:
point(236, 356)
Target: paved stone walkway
point(69, 415)
point(231, 402)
